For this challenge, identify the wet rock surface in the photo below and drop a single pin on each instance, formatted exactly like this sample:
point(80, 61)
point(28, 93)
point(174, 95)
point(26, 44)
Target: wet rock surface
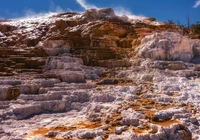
point(97, 76)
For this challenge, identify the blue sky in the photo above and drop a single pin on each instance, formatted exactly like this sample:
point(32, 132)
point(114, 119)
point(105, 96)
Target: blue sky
point(162, 10)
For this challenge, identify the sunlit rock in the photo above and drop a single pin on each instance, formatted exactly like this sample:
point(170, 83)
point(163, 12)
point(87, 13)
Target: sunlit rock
point(96, 75)
point(167, 46)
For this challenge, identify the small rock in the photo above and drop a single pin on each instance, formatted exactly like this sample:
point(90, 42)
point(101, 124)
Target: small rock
point(103, 98)
point(130, 117)
point(52, 133)
point(193, 120)
point(154, 129)
point(147, 77)
point(99, 138)
point(73, 77)
point(119, 130)
point(89, 134)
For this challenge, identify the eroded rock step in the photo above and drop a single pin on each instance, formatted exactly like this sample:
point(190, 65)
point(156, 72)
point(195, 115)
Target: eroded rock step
point(16, 60)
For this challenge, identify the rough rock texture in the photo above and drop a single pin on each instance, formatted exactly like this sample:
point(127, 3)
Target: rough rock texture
point(96, 75)
point(168, 46)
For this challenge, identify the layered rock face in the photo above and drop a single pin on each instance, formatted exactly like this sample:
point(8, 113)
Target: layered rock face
point(96, 75)
point(169, 46)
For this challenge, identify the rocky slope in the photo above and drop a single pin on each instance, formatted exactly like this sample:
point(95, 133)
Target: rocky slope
point(95, 75)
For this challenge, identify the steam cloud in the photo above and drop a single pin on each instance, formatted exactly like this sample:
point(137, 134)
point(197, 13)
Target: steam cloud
point(120, 11)
point(197, 4)
point(53, 8)
point(31, 14)
point(85, 5)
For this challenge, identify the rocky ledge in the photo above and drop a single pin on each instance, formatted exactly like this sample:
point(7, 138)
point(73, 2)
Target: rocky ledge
point(96, 75)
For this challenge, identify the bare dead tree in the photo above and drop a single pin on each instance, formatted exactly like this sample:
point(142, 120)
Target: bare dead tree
point(170, 22)
point(178, 22)
point(188, 21)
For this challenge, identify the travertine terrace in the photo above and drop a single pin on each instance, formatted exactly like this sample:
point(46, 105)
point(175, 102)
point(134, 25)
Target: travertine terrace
point(96, 75)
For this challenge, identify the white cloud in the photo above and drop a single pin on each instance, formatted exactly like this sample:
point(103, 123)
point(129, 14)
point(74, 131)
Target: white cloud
point(197, 4)
point(85, 5)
